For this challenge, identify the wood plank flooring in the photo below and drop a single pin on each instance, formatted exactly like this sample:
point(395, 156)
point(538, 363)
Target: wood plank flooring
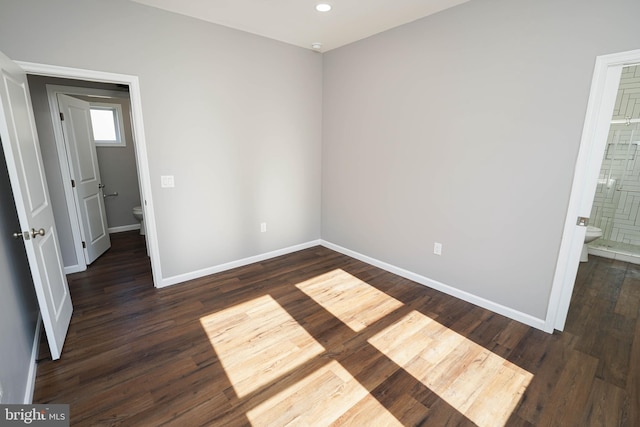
point(316, 338)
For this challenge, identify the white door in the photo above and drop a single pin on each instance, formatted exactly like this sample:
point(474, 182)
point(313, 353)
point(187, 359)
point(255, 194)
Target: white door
point(85, 173)
point(28, 181)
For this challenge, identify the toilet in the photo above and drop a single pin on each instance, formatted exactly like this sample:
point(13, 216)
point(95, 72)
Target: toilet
point(137, 213)
point(592, 234)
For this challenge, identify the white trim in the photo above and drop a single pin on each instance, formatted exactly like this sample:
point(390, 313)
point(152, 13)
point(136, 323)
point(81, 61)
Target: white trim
point(234, 264)
point(604, 87)
point(124, 228)
point(77, 268)
point(33, 369)
point(439, 286)
point(139, 140)
point(99, 94)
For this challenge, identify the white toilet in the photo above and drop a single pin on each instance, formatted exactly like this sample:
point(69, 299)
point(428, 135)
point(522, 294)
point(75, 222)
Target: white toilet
point(137, 213)
point(593, 233)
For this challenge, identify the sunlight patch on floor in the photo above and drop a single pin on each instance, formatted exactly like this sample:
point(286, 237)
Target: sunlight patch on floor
point(264, 350)
point(479, 384)
point(257, 342)
point(353, 301)
point(321, 399)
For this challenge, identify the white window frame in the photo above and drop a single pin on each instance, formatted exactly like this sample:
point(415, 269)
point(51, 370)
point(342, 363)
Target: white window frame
point(120, 140)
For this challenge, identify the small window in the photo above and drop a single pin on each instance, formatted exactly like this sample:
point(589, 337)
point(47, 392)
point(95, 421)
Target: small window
point(106, 120)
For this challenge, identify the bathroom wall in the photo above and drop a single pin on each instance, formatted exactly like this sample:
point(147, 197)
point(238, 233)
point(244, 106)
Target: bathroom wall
point(616, 207)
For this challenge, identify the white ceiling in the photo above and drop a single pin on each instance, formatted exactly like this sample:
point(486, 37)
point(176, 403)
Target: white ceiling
point(298, 23)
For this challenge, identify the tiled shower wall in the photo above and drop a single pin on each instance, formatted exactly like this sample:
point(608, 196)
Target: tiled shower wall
point(616, 207)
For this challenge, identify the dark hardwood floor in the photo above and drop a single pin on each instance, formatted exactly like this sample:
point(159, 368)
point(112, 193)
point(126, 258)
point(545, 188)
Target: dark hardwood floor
point(318, 338)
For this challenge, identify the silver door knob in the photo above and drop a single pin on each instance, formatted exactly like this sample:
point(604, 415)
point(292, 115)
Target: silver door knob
point(37, 233)
point(18, 235)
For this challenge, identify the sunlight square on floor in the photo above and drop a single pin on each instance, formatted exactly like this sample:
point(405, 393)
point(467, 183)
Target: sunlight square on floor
point(479, 384)
point(331, 394)
point(353, 301)
point(257, 342)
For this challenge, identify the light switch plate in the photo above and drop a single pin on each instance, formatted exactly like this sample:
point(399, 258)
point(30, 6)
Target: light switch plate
point(437, 248)
point(167, 181)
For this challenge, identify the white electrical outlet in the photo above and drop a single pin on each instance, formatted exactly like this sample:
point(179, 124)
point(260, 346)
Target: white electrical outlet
point(263, 227)
point(437, 248)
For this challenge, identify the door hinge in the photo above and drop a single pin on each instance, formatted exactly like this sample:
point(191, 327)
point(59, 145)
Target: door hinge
point(73, 183)
point(84, 245)
point(62, 117)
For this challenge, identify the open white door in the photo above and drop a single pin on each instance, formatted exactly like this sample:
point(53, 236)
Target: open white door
point(81, 150)
point(28, 181)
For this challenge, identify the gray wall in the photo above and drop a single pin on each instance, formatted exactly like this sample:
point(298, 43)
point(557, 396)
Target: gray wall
point(236, 118)
point(18, 305)
point(463, 128)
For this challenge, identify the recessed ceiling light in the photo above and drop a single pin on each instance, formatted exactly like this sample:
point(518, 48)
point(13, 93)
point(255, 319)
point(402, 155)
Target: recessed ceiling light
point(316, 46)
point(323, 7)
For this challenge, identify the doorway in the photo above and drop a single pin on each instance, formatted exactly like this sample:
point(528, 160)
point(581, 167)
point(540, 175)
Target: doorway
point(604, 89)
point(94, 184)
point(138, 143)
point(616, 206)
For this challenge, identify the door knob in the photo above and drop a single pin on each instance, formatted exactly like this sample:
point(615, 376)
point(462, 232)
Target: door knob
point(35, 233)
point(18, 235)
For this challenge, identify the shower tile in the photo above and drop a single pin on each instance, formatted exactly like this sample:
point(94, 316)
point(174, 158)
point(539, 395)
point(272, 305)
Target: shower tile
point(616, 207)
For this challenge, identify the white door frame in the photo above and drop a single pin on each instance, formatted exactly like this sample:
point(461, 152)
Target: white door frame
point(65, 167)
point(604, 88)
point(142, 160)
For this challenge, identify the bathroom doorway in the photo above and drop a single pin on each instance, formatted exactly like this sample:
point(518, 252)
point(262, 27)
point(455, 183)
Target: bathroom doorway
point(115, 160)
point(593, 145)
point(139, 142)
point(616, 206)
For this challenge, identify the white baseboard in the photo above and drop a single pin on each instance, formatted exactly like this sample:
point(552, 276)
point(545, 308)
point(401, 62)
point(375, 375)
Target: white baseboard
point(234, 264)
point(31, 378)
point(74, 269)
point(123, 228)
point(450, 290)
